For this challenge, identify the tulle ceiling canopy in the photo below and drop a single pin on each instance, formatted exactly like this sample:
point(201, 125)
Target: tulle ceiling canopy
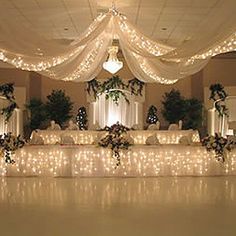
point(149, 60)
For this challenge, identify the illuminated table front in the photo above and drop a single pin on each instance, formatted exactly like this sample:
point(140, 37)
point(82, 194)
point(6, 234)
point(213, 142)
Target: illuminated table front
point(139, 136)
point(139, 160)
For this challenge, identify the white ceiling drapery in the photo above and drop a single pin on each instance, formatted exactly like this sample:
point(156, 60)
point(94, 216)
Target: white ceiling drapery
point(81, 60)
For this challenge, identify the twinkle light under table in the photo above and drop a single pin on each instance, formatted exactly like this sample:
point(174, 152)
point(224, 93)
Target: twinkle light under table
point(140, 160)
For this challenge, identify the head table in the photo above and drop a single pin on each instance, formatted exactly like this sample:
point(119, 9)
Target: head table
point(139, 136)
point(139, 160)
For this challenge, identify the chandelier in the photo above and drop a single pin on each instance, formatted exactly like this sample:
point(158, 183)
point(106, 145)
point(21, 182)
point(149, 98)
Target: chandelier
point(112, 65)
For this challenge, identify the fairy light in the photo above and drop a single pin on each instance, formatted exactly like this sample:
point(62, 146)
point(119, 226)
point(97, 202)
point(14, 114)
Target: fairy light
point(148, 71)
point(171, 160)
point(88, 137)
point(141, 42)
point(125, 32)
point(228, 45)
point(43, 65)
point(87, 63)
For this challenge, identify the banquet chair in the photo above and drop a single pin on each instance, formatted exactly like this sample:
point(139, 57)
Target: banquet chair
point(154, 126)
point(176, 126)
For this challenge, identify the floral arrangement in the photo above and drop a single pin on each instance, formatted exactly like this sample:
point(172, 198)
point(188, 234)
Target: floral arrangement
point(220, 145)
point(116, 139)
point(7, 91)
point(8, 145)
point(113, 88)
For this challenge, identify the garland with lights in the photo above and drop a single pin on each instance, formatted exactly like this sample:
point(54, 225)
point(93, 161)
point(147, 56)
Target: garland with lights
point(116, 139)
point(114, 88)
point(8, 145)
point(7, 91)
point(82, 118)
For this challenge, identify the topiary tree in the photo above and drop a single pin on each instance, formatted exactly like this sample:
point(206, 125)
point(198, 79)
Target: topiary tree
point(152, 115)
point(173, 106)
point(38, 114)
point(81, 118)
point(59, 106)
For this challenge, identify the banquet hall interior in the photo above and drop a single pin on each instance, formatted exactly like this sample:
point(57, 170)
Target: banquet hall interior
point(118, 117)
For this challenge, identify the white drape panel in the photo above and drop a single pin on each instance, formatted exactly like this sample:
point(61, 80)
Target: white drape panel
point(14, 123)
point(160, 160)
point(149, 61)
point(106, 112)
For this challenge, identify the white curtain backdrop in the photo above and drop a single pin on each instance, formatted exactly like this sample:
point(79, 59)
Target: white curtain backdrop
point(14, 123)
point(106, 112)
point(149, 61)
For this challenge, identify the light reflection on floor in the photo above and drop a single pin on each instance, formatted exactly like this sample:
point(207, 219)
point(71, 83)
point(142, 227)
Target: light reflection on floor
point(132, 206)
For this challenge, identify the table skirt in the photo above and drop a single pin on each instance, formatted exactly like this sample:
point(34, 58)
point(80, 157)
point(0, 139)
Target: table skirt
point(139, 160)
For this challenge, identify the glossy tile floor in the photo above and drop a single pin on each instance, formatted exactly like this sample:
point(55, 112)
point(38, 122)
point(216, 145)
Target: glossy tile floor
point(106, 206)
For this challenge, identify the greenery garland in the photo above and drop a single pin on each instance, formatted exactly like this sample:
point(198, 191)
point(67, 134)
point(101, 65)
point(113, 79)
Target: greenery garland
point(114, 88)
point(7, 91)
point(218, 93)
point(136, 86)
point(220, 145)
point(116, 140)
point(8, 145)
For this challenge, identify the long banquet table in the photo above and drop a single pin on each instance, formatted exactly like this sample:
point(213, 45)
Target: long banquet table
point(139, 160)
point(139, 136)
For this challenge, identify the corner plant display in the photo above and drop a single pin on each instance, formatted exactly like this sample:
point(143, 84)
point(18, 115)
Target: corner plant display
point(116, 140)
point(193, 114)
point(218, 94)
point(38, 114)
point(7, 91)
point(176, 107)
point(220, 145)
point(59, 106)
point(8, 145)
point(114, 88)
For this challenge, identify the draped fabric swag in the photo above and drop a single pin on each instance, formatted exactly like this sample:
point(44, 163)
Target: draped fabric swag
point(81, 60)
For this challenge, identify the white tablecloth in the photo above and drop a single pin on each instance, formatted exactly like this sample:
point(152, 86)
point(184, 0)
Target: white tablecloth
point(139, 160)
point(139, 136)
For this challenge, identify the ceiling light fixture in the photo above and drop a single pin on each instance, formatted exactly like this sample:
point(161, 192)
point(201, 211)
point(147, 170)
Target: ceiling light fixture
point(112, 64)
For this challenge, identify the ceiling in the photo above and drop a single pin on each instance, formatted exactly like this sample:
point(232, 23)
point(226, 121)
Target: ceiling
point(171, 21)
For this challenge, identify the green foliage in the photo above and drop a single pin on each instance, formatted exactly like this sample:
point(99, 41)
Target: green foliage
point(7, 91)
point(220, 145)
point(116, 139)
point(82, 118)
point(176, 107)
point(193, 114)
point(135, 86)
point(152, 115)
point(38, 114)
point(59, 107)
point(218, 94)
point(173, 106)
point(9, 144)
point(113, 88)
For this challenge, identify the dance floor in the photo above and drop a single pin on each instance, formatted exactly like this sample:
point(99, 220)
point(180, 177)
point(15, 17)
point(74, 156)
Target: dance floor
point(170, 206)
